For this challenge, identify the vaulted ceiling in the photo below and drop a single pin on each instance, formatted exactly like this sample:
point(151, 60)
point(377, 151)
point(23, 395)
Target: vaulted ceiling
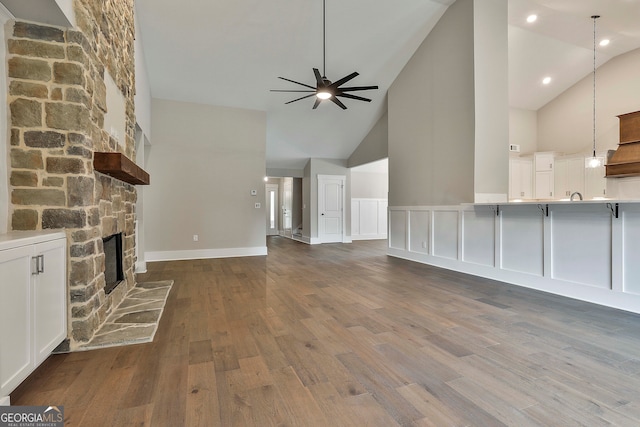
point(230, 53)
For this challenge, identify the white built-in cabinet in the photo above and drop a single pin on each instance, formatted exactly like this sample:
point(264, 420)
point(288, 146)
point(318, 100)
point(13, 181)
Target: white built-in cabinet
point(569, 176)
point(33, 302)
point(520, 178)
point(549, 175)
point(543, 183)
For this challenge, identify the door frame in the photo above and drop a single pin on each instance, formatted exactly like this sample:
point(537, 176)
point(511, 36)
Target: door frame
point(321, 180)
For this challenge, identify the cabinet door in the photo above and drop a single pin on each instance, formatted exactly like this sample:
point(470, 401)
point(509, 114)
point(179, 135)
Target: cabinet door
point(526, 179)
point(544, 185)
point(561, 178)
point(16, 361)
point(576, 175)
point(520, 179)
point(544, 161)
point(50, 317)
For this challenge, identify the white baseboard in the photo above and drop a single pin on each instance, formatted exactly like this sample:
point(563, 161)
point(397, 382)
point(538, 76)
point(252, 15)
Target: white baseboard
point(141, 267)
point(5, 401)
point(369, 237)
point(303, 239)
point(204, 254)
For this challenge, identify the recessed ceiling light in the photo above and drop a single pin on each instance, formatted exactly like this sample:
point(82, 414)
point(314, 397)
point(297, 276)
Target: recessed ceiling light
point(604, 42)
point(532, 18)
point(546, 80)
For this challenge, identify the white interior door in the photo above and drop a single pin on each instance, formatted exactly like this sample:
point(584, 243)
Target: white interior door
point(330, 208)
point(271, 203)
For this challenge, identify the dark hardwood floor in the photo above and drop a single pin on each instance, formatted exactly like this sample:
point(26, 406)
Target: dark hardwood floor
point(342, 335)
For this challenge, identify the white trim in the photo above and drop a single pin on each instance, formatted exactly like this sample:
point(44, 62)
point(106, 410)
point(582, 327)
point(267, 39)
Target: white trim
point(303, 239)
point(369, 237)
point(5, 400)
point(5, 16)
point(204, 254)
point(315, 241)
point(6, 12)
point(141, 267)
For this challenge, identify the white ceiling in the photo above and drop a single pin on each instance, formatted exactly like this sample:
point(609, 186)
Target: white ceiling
point(230, 53)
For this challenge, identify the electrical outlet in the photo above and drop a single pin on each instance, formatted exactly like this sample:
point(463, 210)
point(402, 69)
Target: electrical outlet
point(195, 237)
point(257, 205)
point(254, 192)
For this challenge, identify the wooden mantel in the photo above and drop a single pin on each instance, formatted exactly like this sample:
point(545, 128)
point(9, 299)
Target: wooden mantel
point(120, 167)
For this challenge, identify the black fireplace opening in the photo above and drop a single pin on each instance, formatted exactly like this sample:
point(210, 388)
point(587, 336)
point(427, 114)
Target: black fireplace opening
point(113, 273)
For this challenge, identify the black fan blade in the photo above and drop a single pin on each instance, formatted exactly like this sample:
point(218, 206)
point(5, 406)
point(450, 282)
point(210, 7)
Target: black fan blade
point(347, 95)
point(354, 88)
point(338, 103)
point(307, 96)
point(315, 104)
point(298, 83)
point(288, 90)
point(343, 80)
point(316, 72)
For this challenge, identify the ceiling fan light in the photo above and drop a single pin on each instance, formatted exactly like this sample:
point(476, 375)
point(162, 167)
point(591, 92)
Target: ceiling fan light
point(324, 95)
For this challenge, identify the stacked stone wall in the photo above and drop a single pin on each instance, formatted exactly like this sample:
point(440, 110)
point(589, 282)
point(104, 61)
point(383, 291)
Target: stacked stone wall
point(57, 103)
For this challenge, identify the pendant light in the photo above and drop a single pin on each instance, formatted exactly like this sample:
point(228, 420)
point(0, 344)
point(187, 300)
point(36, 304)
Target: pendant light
point(593, 161)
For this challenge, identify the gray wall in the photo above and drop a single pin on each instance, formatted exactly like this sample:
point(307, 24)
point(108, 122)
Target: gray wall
point(491, 45)
point(566, 123)
point(369, 185)
point(375, 146)
point(523, 129)
point(431, 117)
point(448, 112)
point(203, 164)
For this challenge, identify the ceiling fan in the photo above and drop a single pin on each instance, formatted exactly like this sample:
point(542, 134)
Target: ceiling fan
point(325, 88)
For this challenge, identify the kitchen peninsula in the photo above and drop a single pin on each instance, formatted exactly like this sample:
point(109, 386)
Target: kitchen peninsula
point(586, 250)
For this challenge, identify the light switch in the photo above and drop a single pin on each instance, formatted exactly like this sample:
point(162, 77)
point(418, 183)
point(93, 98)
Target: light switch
point(254, 192)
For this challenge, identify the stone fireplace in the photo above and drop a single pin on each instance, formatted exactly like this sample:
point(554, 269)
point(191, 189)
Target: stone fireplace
point(58, 102)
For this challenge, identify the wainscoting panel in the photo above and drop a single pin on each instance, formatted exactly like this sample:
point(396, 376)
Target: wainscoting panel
point(445, 234)
point(398, 229)
point(581, 244)
point(419, 231)
point(522, 243)
point(576, 249)
point(368, 219)
point(383, 207)
point(631, 243)
point(478, 244)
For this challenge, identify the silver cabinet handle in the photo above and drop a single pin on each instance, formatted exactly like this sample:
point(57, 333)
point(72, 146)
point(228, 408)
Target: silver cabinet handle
point(37, 264)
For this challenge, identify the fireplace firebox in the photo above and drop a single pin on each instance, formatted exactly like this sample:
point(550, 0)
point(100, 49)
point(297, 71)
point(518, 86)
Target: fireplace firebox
point(113, 272)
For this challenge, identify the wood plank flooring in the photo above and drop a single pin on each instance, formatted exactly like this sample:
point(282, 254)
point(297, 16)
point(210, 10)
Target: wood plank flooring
point(342, 335)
